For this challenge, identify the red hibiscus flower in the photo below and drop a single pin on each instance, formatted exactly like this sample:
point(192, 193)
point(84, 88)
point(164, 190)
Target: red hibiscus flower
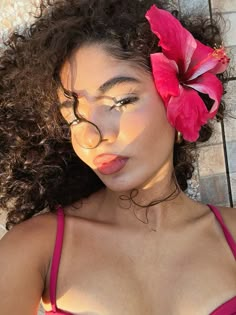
point(183, 68)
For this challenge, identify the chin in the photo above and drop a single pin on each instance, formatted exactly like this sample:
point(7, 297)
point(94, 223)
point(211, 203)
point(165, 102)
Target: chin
point(118, 186)
point(121, 182)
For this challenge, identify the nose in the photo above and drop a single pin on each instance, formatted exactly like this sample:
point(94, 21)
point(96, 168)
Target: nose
point(87, 135)
point(106, 122)
point(101, 126)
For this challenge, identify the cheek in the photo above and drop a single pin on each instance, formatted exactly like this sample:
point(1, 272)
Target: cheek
point(75, 145)
point(78, 150)
point(147, 122)
point(132, 126)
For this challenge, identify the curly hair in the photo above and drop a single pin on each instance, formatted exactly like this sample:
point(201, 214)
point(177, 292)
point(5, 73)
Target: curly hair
point(39, 168)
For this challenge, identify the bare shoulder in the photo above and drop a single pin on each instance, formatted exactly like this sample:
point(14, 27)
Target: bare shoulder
point(31, 227)
point(229, 217)
point(35, 235)
point(25, 253)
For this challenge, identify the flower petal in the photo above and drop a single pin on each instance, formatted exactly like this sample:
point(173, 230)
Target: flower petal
point(209, 84)
point(207, 59)
point(176, 42)
point(202, 61)
point(201, 52)
point(165, 73)
point(187, 113)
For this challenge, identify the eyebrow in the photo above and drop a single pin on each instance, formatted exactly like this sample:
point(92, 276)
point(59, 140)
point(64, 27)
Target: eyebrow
point(116, 81)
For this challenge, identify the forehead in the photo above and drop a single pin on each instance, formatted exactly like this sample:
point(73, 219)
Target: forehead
point(90, 66)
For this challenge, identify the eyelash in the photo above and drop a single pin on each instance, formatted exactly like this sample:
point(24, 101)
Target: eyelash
point(124, 102)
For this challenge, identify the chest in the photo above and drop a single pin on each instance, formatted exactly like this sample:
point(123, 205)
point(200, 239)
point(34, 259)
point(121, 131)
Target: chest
point(171, 275)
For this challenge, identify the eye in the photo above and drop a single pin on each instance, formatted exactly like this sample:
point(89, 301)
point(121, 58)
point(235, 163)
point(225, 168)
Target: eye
point(125, 101)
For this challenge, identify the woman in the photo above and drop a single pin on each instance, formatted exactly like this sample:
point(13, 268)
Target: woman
point(102, 105)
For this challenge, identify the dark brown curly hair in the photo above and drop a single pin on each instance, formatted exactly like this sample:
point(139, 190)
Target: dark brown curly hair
point(38, 167)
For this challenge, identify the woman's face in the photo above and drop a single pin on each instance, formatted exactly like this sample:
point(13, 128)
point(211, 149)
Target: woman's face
point(137, 146)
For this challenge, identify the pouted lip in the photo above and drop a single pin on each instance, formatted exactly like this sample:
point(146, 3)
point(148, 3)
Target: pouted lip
point(106, 158)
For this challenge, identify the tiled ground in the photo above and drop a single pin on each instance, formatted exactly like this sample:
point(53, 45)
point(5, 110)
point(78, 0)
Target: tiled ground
point(224, 5)
point(233, 184)
point(228, 8)
point(214, 186)
point(211, 172)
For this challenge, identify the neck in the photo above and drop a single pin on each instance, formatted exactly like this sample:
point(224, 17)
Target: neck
point(152, 207)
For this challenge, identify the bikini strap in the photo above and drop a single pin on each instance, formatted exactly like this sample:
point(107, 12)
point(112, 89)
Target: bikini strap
point(228, 235)
point(56, 258)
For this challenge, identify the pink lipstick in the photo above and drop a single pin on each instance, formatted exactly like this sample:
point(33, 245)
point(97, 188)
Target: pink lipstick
point(109, 163)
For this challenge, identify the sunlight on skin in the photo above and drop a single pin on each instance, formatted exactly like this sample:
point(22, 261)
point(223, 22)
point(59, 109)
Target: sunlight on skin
point(86, 301)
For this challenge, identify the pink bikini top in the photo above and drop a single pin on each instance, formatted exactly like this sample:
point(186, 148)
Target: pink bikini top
point(228, 308)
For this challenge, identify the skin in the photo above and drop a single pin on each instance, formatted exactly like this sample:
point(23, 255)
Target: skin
point(112, 263)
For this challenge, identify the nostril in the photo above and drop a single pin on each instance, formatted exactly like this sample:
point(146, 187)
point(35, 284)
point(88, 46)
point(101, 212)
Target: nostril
point(103, 140)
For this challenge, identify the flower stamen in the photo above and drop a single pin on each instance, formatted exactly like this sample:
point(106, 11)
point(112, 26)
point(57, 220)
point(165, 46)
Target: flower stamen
point(220, 54)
